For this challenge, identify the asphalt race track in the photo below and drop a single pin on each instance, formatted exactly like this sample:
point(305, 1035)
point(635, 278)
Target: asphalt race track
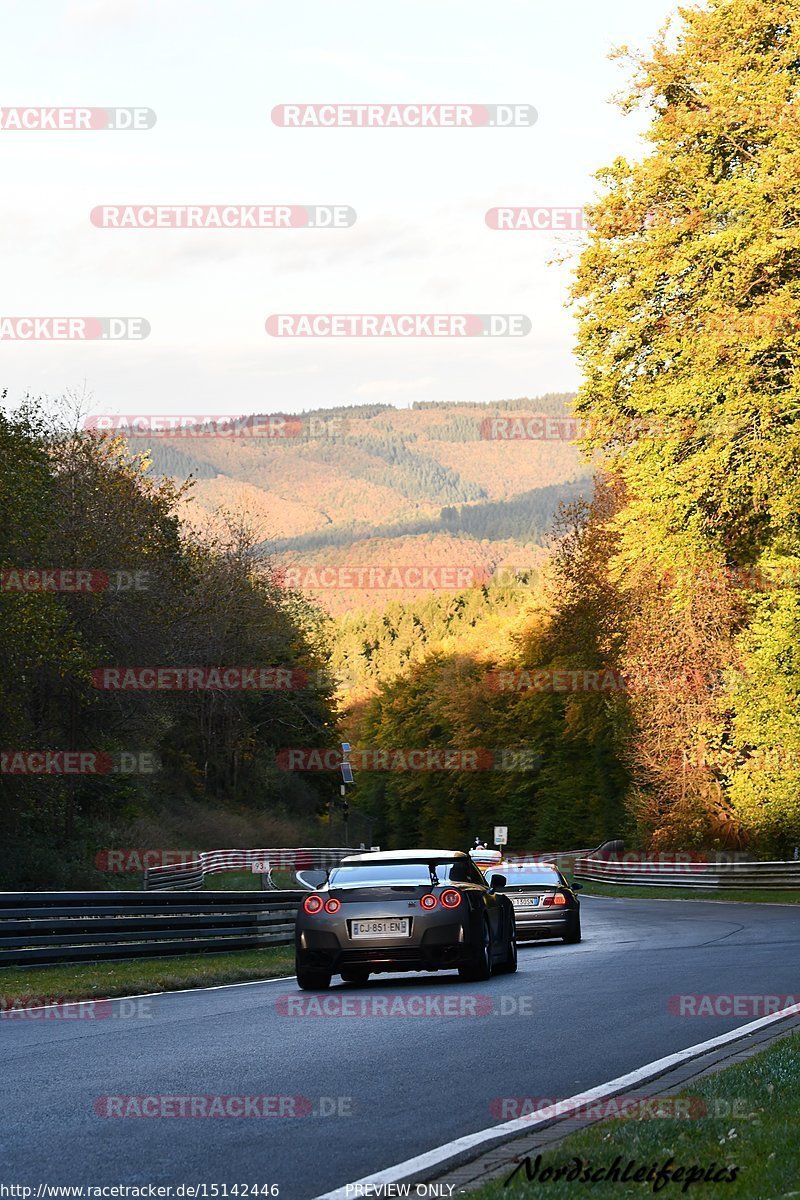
point(575, 1016)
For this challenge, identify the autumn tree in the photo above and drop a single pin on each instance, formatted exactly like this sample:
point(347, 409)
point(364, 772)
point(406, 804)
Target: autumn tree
point(688, 295)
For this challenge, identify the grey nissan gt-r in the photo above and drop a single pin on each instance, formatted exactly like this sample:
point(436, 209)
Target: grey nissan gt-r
point(404, 910)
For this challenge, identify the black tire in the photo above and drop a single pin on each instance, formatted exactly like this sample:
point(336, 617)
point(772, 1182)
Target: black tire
point(355, 975)
point(510, 965)
point(574, 934)
point(480, 968)
point(313, 981)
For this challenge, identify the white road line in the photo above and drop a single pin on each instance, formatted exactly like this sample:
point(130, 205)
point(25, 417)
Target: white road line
point(450, 1152)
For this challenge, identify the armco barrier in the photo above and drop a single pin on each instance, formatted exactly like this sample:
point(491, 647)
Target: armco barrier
point(564, 860)
point(715, 873)
point(68, 927)
point(191, 875)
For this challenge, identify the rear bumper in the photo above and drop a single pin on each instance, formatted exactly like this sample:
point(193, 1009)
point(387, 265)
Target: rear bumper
point(545, 924)
point(443, 947)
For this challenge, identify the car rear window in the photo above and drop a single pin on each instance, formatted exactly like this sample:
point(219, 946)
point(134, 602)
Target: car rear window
point(527, 878)
point(387, 874)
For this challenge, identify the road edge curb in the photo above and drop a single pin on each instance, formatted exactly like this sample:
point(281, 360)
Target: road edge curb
point(460, 1151)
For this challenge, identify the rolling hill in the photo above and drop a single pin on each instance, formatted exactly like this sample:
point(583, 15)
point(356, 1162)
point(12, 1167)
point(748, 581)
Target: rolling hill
point(340, 497)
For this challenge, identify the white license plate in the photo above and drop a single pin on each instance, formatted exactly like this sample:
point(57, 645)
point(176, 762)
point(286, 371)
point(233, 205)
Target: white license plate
point(525, 901)
point(382, 927)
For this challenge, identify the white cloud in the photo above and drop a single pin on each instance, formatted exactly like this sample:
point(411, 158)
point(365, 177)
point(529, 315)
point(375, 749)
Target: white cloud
point(102, 14)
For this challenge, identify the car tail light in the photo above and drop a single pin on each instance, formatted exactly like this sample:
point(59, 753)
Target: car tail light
point(332, 906)
point(428, 901)
point(558, 900)
point(312, 904)
point(451, 898)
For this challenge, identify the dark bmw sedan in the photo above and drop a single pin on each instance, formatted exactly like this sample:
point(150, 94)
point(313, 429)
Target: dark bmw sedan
point(545, 905)
point(404, 910)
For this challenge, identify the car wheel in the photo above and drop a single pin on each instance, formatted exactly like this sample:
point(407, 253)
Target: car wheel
point(313, 981)
point(574, 934)
point(481, 968)
point(510, 965)
point(353, 975)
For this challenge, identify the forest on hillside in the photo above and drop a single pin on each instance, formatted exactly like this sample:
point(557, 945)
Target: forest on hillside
point(332, 475)
point(527, 518)
point(96, 575)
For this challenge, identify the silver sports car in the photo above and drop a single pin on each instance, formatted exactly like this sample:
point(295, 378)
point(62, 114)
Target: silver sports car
point(404, 910)
point(545, 904)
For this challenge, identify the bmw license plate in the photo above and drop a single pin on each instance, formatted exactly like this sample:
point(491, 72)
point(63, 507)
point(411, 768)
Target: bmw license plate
point(524, 901)
point(381, 927)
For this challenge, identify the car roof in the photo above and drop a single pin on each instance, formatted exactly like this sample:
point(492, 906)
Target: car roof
point(404, 856)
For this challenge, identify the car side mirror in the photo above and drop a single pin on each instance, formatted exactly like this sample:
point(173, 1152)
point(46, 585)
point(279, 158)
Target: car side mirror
point(497, 883)
point(577, 887)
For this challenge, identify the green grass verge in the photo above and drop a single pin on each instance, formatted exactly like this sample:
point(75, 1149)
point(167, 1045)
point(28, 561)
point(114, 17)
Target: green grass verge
point(751, 895)
point(233, 881)
point(750, 1123)
point(87, 980)
point(246, 881)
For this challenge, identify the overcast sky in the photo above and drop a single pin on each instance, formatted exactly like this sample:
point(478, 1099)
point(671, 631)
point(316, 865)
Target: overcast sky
point(213, 72)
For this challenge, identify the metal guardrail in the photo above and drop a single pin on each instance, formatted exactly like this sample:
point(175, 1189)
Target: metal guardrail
point(174, 879)
point(69, 927)
point(38, 928)
point(562, 859)
point(695, 874)
point(190, 876)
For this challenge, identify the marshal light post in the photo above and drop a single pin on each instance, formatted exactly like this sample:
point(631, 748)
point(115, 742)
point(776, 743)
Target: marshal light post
point(347, 777)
